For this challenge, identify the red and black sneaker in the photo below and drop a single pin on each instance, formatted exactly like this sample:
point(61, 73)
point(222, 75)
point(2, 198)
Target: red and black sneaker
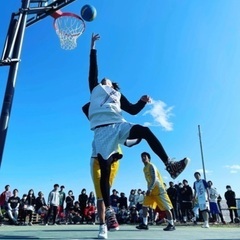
point(112, 222)
point(176, 168)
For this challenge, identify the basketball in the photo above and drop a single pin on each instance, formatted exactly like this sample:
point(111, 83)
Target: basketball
point(88, 12)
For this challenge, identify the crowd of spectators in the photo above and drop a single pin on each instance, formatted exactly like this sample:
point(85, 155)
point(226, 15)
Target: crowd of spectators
point(64, 208)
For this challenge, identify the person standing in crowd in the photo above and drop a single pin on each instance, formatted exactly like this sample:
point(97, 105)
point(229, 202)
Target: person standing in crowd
point(201, 195)
point(179, 186)
point(122, 201)
point(53, 204)
point(62, 197)
point(214, 209)
point(219, 199)
point(69, 206)
point(231, 202)
point(156, 194)
point(172, 193)
point(92, 199)
point(83, 199)
point(139, 199)
point(5, 195)
point(187, 197)
point(114, 200)
point(13, 207)
point(131, 198)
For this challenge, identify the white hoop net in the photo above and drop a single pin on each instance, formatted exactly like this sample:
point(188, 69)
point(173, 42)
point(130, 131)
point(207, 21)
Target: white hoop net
point(69, 27)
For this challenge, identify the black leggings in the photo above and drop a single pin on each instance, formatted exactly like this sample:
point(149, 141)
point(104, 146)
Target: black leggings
point(105, 167)
point(140, 132)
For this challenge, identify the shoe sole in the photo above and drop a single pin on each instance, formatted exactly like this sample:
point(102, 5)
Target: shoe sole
point(113, 229)
point(102, 237)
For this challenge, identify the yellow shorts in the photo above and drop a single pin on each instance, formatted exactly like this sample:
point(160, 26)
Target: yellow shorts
point(96, 175)
point(162, 201)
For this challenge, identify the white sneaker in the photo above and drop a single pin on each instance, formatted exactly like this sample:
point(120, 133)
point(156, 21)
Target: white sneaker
point(102, 232)
point(205, 225)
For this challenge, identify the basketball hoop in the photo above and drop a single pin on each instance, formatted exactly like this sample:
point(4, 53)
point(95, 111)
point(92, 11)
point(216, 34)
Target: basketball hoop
point(69, 27)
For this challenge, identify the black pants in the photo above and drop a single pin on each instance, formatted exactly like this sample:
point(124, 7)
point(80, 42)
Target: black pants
point(105, 167)
point(54, 210)
point(231, 211)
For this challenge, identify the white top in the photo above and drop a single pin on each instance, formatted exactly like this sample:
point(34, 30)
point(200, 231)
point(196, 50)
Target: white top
point(213, 194)
point(53, 198)
point(105, 106)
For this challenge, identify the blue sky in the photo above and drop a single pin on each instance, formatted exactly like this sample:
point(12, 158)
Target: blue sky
point(184, 54)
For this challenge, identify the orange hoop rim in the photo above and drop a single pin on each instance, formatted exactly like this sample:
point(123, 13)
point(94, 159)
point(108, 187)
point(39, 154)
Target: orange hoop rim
point(68, 14)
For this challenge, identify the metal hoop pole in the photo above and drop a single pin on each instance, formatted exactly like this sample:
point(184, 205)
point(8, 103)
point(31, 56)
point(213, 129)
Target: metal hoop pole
point(9, 93)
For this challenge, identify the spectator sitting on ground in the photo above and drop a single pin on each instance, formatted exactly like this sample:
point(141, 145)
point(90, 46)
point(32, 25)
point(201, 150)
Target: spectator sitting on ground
point(13, 207)
point(134, 215)
point(123, 215)
point(76, 213)
point(89, 213)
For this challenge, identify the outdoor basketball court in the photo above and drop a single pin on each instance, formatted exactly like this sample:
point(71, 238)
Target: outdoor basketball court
point(125, 232)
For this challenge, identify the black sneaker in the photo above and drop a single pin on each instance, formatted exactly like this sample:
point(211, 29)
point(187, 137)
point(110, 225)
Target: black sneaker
point(175, 168)
point(169, 228)
point(142, 226)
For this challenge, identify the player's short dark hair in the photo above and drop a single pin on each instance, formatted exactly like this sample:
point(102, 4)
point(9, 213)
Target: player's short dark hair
point(197, 173)
point(147, 154)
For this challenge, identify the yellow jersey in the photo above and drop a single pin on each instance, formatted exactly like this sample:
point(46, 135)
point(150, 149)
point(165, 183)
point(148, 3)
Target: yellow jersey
point(154, 179)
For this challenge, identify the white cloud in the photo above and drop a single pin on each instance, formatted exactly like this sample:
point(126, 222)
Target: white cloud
point(161, 114)
point(233, 168)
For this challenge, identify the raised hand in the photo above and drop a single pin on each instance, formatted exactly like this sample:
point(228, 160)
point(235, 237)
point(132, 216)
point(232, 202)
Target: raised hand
point(146, 98)
point(94, 38)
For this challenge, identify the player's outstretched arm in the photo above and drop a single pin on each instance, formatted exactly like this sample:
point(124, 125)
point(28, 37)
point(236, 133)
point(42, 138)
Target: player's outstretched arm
point(93, 69)
point(134, 109)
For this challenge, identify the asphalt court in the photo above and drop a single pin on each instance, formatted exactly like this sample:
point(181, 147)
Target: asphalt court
point(74, 232)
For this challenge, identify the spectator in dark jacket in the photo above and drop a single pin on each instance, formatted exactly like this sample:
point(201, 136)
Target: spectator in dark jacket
point(172, 193)
point(186, 193)
point(83, 199)
point(231, 202)
point(122, 201)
